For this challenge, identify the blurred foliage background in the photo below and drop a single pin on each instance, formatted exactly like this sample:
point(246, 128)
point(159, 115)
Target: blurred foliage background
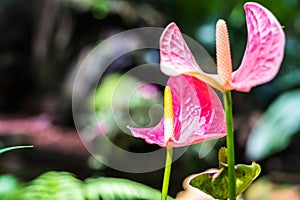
point(42, 43)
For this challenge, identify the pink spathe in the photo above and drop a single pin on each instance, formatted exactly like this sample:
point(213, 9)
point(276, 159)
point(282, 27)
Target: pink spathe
point(198, 115)
point(262, 58)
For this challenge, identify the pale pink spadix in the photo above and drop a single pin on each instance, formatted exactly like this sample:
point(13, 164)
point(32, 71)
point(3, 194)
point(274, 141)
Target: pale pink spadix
point(261, 62)
point(224, 65)
point(197, 115)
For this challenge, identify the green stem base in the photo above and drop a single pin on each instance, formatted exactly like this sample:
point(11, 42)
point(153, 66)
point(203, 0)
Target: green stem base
point(230, 144)
point(165, 187)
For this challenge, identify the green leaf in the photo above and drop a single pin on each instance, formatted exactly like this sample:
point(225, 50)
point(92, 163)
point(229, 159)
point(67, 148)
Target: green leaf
point(52, 186)
point(215, 183)
point(274, 131)
point(245, 175)
point(12, 148)
point(116, 188)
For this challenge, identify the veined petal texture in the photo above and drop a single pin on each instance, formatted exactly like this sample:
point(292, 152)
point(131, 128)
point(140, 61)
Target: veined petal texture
point(198, 115)
point(264, 50)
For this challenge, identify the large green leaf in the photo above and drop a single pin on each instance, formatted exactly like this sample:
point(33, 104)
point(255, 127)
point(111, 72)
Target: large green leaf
point(215, 182)
point(274, 131)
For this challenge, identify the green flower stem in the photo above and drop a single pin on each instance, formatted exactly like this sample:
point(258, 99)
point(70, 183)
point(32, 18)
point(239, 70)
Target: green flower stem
point(165, 187)
point(230, 144)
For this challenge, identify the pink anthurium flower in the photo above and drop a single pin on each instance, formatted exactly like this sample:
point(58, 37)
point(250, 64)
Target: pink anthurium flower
point(192, 113)
point(260, 64)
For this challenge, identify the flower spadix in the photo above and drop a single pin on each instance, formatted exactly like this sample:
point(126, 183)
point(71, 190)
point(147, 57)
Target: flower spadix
point(224, 65)
point(260, 64)
point(168, 114)
point(192, 113)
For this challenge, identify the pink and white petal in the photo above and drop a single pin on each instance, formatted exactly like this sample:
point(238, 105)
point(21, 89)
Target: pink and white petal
point(217, 127)
point(198, 115)
point(152, 135)
point(175, 56)
point(199, 108)
point(264, 50)
point(191, 103)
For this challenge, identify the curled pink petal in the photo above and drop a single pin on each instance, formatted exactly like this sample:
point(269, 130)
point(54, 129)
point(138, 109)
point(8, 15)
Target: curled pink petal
point(176, 58)
point(198, 115)
point(152, 135)
point(264, 51)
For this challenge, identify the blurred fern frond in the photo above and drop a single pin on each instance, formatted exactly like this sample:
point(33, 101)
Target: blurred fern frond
point(52, 186)
point(116, 188)
point(65, 186)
